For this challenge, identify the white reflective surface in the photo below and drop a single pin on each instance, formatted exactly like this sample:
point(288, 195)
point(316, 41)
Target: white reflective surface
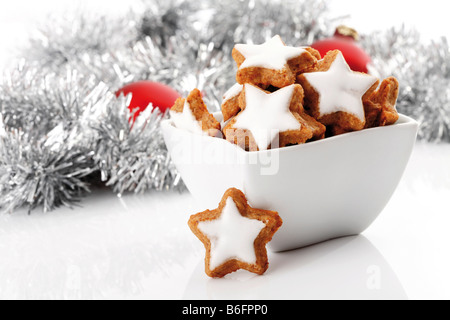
point(346, 268)
point(140, 247)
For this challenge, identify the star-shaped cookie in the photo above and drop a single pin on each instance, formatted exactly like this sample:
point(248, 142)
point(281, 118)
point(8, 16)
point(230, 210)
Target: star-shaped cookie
point(380, 106)
point(270, 120)
point(334, 93)
point(235, 235)
point(191, 114)
point(272, 63)
point(230, 104)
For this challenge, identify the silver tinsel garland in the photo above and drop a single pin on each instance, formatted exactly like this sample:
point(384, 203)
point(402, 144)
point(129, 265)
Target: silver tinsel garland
point(423, 71)
point(35, 172)
point(132, 157)
point(62, 128)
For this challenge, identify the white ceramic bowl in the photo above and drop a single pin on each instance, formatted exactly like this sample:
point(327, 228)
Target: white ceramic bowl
point(322, 190)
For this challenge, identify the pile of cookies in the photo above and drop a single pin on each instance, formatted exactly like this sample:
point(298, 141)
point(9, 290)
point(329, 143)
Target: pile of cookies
point(283, 96)
point(288, 96)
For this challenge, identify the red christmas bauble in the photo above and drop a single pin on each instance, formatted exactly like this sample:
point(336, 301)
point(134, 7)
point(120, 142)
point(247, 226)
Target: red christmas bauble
point(345, 39)
point(146, 92)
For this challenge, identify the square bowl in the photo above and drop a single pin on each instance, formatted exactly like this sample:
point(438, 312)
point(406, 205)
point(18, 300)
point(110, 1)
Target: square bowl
point(322, 190)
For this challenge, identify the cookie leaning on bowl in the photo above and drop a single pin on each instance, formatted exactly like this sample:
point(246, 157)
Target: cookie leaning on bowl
point(235, 235)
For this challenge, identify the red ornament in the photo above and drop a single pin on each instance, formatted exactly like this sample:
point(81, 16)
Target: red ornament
point(146, 92)
point(345, 39)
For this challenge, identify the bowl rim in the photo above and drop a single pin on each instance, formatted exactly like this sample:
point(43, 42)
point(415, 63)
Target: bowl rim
point(403, 121)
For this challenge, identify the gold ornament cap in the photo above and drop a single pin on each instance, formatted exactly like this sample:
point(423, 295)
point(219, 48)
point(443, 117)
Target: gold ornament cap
point(346, 31)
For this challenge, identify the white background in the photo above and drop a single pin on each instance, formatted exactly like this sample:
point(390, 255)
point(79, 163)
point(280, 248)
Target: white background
point(140, 246)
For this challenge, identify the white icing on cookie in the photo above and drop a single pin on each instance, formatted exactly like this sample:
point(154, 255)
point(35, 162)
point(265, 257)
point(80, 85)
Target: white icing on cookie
point(273, 54)
point(185, 120)
point(232, 236)
point(233, 92)
point(341, 89)
point(267, 114)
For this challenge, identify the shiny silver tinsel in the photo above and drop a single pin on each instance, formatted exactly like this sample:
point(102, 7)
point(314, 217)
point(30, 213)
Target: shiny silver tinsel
point(45, 157)
point(67, 39)
point(132, 157)
point(80, 129)
point(34, 172)
point(62, 127)
point(423, 70)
